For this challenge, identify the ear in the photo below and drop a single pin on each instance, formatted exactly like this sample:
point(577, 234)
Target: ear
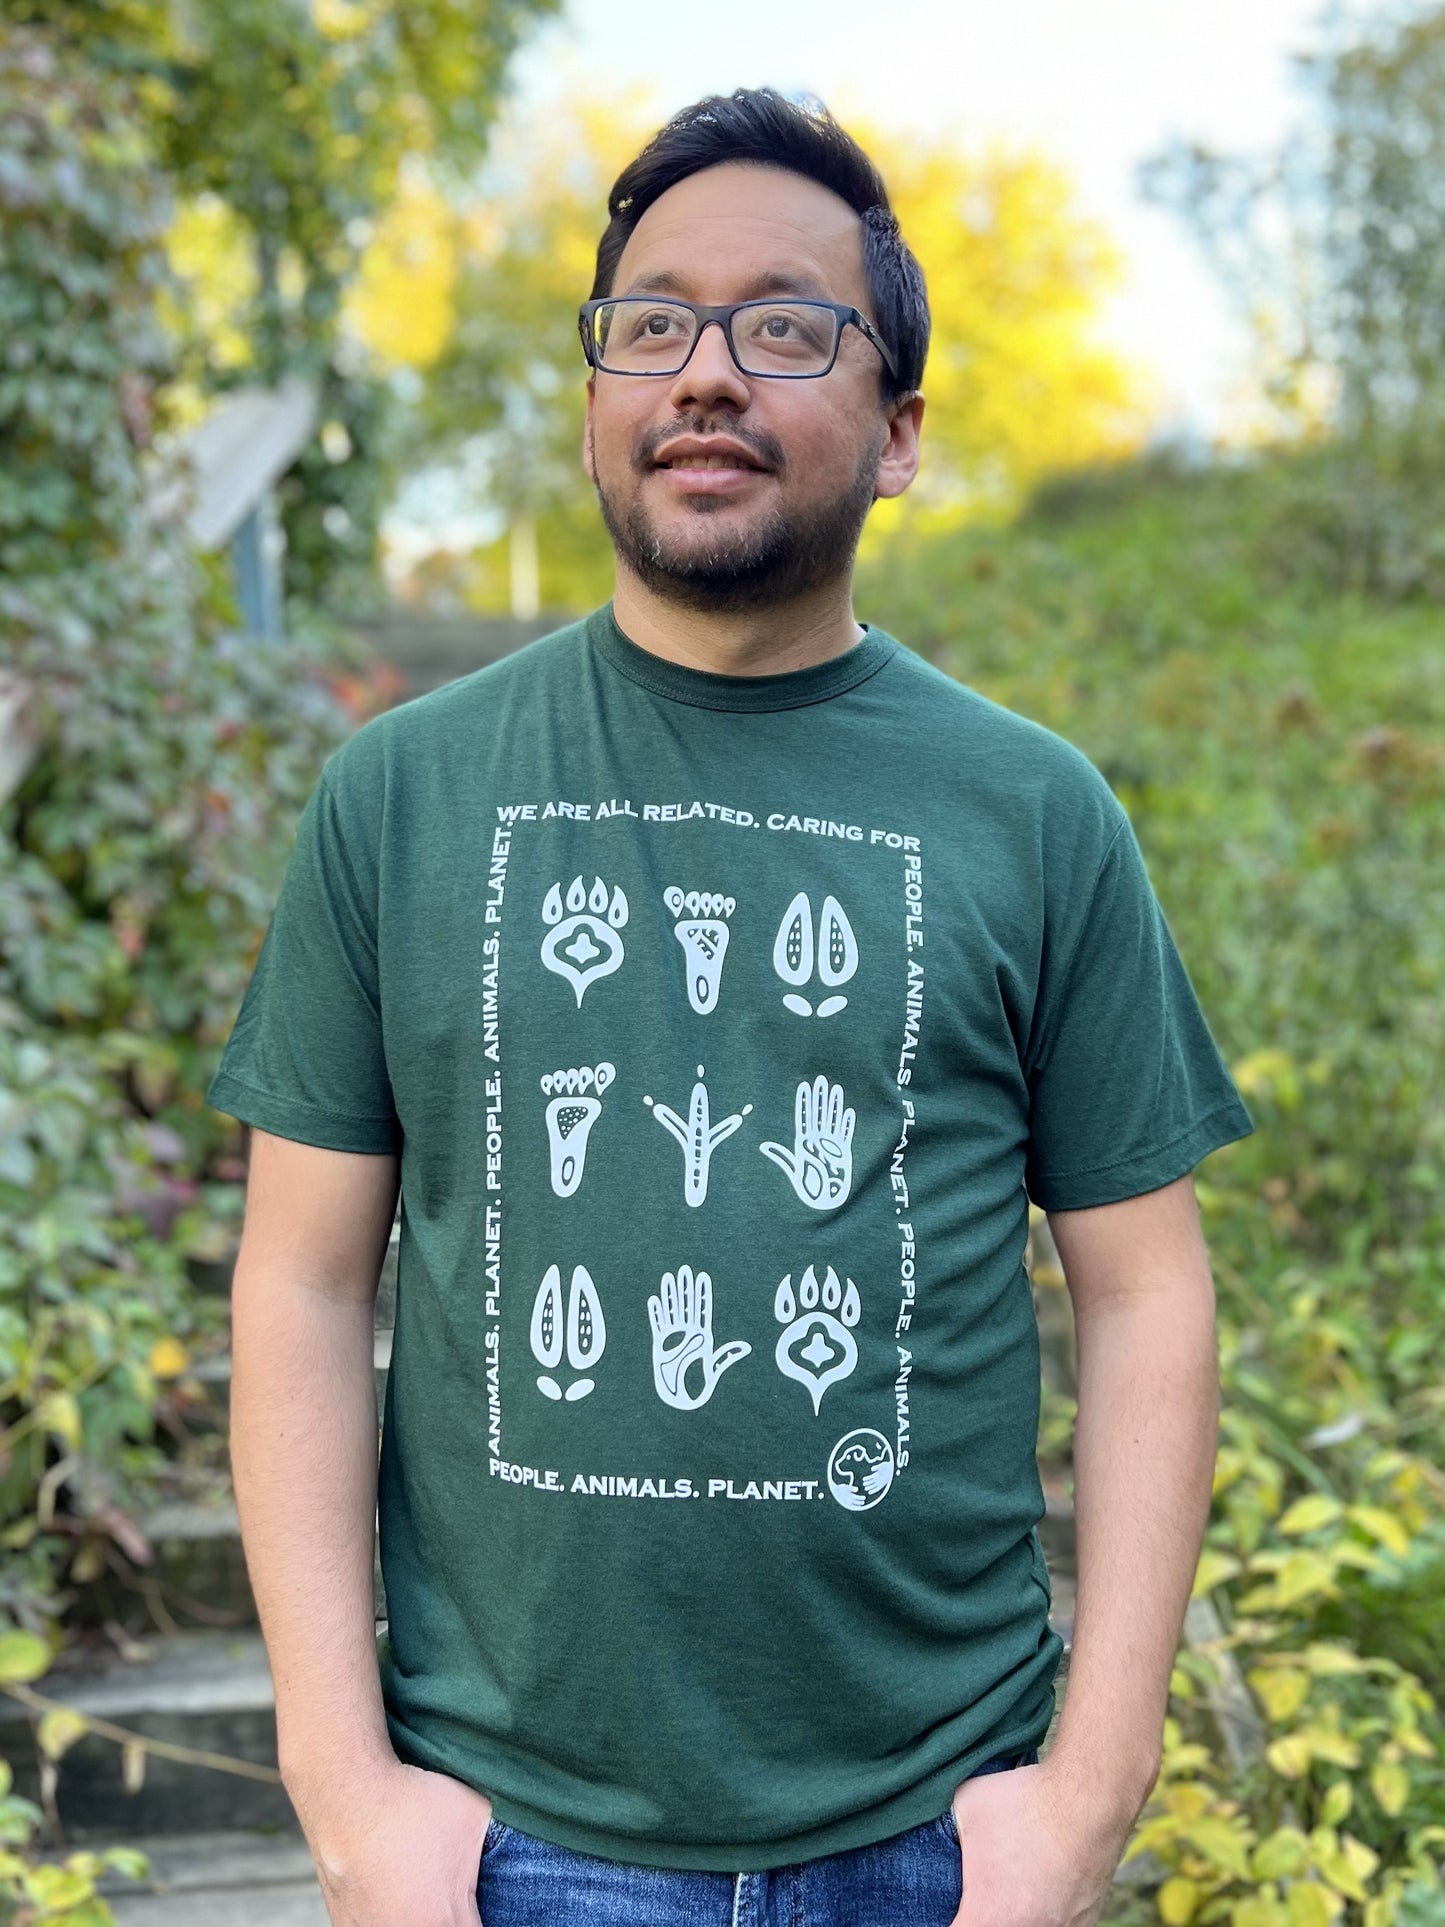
point(899, 462)
point(589, 460)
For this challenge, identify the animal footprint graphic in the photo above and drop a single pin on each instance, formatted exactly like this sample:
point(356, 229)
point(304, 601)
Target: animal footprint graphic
point(698, 1137)
point(820, 1163)
point(682, 1339)
point(570, 1117)
point(795, 953)
point(586, 1332)
point(816, 1346)
point(582, 943)
point(704, 938)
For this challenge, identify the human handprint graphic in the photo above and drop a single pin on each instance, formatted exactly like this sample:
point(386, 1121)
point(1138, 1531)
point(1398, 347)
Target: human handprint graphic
point(820, 1163)
point(682, 1337)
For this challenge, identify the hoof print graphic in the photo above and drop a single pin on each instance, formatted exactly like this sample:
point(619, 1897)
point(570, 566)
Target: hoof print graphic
point(796, 952)
point(570, 1117)
point(816, 1345)
point(582, 943)
point(582, 1338)
point(703, 934)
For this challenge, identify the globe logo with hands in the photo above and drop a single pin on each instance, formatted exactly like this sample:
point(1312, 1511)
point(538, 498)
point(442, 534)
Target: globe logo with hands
point(860, 1469)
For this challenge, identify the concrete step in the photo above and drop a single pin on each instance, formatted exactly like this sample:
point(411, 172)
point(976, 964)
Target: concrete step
point(229, 1879)
point(209, 1691)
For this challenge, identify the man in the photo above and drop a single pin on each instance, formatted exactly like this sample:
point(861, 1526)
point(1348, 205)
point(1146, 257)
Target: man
point(719, 982)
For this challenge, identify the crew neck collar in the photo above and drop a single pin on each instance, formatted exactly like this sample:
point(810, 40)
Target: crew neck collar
point(708, 689)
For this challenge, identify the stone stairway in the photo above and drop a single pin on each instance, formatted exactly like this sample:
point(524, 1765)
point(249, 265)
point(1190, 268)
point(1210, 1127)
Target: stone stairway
point(226, 1851)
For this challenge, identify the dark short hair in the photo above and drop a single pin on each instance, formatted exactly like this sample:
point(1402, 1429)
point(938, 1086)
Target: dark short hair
point(760, 125)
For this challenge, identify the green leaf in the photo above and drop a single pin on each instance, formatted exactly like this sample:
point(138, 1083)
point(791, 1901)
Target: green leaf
point(23, 1657)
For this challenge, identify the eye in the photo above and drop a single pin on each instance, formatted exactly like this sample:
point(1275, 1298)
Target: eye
point(654, 324)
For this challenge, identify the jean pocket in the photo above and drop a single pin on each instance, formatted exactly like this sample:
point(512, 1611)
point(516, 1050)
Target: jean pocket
point(949, 1824)
point(497, 1831)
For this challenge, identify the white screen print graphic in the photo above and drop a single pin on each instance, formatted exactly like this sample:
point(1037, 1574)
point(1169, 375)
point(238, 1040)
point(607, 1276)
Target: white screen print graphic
point(698, 1136)
point(584, 1335)
point(860, 1469)
point(570, 1117)
point(682, 1340)
point(796, 952)
point(701, 931)
point(816, 1345)
point(819, 1164)
point(582, 943)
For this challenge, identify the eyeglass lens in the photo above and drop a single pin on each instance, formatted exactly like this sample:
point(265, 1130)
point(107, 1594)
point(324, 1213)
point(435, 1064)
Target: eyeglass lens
point(643, 337)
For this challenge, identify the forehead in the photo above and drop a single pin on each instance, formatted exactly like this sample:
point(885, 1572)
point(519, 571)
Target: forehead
point(741, 223)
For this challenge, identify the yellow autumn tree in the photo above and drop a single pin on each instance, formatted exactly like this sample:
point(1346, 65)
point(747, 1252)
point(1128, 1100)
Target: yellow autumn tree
point(504, 401)
point(1018, 384)
point(401, 302)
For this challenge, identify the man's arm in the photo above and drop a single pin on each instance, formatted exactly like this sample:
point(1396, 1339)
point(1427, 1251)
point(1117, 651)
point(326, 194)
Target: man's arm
point(391, 1842)
point(1041, 1844)
point(1144, 1450)
point(303, 1440)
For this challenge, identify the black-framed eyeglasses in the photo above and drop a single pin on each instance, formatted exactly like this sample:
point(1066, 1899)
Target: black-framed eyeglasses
point(641, 334)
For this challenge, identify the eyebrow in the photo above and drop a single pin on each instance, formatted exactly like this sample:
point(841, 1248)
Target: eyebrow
point(773, 281)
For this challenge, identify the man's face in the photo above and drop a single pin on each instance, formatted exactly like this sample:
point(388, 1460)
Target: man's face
point(815, 452)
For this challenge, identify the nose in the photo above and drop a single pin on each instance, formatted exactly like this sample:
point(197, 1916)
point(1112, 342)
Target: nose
point(711, 375)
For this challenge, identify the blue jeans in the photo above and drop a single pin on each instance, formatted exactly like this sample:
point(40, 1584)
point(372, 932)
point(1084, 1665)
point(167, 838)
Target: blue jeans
point(914, 1879)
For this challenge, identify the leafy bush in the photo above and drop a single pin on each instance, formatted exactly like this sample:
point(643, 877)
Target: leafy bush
point(138, 862)
point(1274, 720)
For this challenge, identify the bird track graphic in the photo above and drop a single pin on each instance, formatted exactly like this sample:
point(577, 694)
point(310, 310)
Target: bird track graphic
point(698, 1136)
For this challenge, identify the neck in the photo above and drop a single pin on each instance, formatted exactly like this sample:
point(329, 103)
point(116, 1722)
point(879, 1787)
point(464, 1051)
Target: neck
point(758, 642)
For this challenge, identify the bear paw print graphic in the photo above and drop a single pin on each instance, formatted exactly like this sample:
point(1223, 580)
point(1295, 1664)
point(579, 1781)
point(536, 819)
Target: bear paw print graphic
point(570, 1117)
point(582, 943)
point(703, 934)
point(816, 1345)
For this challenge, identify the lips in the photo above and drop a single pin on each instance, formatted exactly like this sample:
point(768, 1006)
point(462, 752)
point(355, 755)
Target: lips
point(708, 455)
point(710, 461)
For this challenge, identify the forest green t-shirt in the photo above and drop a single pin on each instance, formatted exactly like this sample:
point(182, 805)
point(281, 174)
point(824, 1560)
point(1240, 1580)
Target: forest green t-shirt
point(725, 1027)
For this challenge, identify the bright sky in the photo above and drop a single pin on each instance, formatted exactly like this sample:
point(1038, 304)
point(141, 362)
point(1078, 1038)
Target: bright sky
point(1097, 84)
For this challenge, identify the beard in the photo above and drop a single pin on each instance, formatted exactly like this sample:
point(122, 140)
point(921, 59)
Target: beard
point(786, 555)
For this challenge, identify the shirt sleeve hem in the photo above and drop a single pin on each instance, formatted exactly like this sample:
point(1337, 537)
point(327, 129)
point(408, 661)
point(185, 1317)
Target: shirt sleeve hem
point(1148, 1170)
point(304, 1123)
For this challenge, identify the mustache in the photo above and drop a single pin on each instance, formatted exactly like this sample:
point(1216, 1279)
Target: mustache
point(766, 448)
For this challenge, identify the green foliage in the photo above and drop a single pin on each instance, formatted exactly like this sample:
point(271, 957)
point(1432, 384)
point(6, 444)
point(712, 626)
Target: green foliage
point(1273, 717)
point(298, 117)
point(138, 861)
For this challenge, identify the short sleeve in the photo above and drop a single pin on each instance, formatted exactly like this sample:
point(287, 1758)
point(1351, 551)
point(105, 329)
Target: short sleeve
point(1127, 1089)
point(305, 1059)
